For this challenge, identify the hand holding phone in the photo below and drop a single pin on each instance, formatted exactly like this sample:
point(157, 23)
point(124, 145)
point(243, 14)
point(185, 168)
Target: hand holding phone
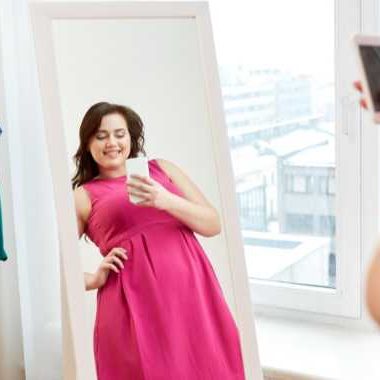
point(138, 165)
point(368, 54)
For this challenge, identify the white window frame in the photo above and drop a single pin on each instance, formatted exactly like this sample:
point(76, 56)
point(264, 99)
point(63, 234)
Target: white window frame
point(357, 208)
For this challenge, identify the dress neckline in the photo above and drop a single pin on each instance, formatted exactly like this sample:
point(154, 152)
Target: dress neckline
point(117, 178)
point(109, 179)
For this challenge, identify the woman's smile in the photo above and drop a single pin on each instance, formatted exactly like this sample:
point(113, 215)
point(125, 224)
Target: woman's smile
point(113, 153)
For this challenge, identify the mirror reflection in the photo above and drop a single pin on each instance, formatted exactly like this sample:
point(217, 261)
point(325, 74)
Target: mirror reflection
point(140, 150)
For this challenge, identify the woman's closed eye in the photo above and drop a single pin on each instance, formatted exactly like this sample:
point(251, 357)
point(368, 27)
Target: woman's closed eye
point(117, 135)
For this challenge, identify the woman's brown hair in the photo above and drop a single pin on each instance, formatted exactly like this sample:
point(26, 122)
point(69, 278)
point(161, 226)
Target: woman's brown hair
point(86, 166)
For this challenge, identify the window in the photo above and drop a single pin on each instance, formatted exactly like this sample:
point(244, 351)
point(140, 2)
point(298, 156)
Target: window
point(323, 185)
point(327, 225)
point(327, 185)
point(301, 235)
point(331, 186)
point(299, 184)
point(299, 223)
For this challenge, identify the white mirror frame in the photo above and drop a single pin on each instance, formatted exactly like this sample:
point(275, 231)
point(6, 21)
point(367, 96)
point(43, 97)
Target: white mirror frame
point(73, 293)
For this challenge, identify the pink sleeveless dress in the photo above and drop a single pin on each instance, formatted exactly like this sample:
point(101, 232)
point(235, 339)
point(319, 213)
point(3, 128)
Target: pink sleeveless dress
point(164, 316)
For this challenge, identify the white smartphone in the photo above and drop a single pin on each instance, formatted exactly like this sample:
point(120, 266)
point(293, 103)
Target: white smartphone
point(138, 165)
point(368, 54)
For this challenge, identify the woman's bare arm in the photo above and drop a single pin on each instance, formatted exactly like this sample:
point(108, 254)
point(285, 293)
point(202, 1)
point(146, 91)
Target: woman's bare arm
point(194, 209)
point(373, 286)
point(83, 208)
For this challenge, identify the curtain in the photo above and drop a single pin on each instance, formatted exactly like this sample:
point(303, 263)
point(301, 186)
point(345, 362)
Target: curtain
point(35, 231)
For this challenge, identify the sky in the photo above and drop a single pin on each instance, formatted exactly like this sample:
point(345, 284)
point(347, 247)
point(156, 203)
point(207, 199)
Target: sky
point(296, 35)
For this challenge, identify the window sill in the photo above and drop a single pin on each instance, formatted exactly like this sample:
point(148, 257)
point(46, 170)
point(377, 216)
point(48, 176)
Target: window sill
point(299, 350)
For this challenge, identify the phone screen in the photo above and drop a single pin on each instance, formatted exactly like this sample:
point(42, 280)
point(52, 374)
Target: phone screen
point(370, 56)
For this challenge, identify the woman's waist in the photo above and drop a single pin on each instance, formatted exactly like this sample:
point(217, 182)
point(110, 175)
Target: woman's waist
point(123, 237)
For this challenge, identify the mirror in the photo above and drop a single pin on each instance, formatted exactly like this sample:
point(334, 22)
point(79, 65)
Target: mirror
point(159, 60)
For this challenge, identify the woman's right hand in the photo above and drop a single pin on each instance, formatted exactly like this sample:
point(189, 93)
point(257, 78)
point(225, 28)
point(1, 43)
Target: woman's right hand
point(113, 261)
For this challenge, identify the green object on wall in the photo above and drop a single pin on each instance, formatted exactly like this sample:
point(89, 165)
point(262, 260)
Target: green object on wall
point(3, 254)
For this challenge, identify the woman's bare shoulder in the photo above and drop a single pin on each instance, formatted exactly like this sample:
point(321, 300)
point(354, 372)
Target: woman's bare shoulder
point(189, 189)
point(167, 166)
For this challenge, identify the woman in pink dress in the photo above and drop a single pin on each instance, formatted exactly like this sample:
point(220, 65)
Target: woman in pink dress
point(161, 313)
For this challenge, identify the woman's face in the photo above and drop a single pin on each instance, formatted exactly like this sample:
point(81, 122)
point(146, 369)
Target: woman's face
point(111, 144)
